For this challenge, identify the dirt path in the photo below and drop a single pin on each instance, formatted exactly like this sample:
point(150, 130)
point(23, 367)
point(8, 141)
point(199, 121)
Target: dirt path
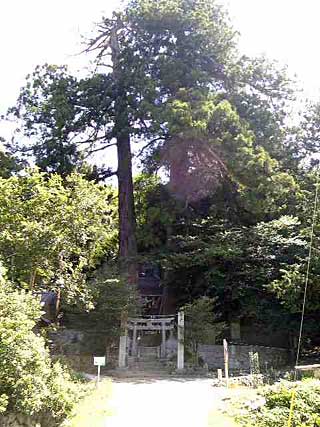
point(159, 403)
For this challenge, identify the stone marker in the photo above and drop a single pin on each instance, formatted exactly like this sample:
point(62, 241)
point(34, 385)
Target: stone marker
point(122, 351)
point(180, 355)
point(226, 360)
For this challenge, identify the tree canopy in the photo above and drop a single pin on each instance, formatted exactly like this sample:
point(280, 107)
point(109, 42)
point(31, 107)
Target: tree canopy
point(54, 232)
point(224, 198)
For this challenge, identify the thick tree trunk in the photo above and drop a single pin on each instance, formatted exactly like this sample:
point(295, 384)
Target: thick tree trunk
point(127, 223)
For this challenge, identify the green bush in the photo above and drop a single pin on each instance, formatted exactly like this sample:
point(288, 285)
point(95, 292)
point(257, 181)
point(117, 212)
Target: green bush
point(29, 382)
point(275, 411)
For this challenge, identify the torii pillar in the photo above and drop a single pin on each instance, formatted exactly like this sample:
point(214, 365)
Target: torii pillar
point(122, 362)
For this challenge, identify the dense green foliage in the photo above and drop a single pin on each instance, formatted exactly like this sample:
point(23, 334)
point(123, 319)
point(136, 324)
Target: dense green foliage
point(224, 203)
point(63, 118)
point(200, 325)
point(256, 272)
point(217, 117)
point(8, 164)
point(29, 382)
point(275, 411)
point(111, 296)
point(53, 232)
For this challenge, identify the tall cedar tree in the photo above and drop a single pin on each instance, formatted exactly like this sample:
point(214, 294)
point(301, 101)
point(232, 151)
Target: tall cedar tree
point(173, 79)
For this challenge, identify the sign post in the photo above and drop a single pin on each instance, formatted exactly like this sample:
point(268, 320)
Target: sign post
point(226, 360)
point(99, 361)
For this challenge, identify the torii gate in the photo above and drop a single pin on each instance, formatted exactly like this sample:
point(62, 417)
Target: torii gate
point(153, 323)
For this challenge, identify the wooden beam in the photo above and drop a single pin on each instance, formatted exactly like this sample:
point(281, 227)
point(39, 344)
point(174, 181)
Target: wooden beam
point(151, 328)
point(142, 320)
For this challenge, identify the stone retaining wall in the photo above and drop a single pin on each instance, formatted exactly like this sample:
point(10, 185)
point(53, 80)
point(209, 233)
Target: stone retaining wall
point(16, 420)
point(239, 356)
point(78, 347)
point(19, 420)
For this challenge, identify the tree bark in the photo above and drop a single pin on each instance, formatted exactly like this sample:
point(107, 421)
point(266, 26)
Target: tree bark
point(127, 221)
point(32, 280)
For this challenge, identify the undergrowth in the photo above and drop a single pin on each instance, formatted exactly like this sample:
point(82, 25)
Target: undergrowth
point(274, 411)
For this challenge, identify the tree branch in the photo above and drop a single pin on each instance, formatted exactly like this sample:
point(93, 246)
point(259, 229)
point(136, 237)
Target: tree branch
point(149, 144)
point(100, 149)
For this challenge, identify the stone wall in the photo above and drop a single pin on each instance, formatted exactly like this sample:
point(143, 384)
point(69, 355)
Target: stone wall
point(16, 420)
point(19, 420)
point(239, 356)
point(77, 348)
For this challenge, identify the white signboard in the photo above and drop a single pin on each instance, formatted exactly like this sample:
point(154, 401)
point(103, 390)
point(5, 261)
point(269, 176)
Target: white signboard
point(99, 361)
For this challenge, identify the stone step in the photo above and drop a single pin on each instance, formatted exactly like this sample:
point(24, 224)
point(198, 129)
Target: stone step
point(142, 374)
point(150, 374)
point(148, 371)
point(147, 368)
point(146, 363)
point(146, 359)
point(149, 351)
point(139, 373)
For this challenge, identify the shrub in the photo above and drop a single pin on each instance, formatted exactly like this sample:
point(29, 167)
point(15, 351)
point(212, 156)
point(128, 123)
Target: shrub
point(275, 411)
point(29, 382)
point(201, 325)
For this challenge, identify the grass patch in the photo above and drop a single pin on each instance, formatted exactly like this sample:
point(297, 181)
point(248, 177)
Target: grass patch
point(224, 416)
point(92, 410)
point(216, 419)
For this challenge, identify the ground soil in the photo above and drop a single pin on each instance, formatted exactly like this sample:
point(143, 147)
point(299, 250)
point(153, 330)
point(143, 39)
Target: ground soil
point(164, 402)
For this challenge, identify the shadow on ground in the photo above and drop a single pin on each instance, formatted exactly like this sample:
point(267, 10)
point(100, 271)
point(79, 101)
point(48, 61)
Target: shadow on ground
point(150, 379)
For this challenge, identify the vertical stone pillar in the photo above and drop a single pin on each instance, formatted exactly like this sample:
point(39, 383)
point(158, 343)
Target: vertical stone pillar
point(134, 340)
point(163, 347)
point(226, 360)
point(122, 351)
point(122, 361)
point(180, 355)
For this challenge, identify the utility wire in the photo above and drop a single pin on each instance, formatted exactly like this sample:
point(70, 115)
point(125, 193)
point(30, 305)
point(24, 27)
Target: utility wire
point(314, 216)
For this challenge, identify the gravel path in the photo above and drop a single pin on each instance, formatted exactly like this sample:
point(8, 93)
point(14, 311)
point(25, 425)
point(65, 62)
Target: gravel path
point(159, 403)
